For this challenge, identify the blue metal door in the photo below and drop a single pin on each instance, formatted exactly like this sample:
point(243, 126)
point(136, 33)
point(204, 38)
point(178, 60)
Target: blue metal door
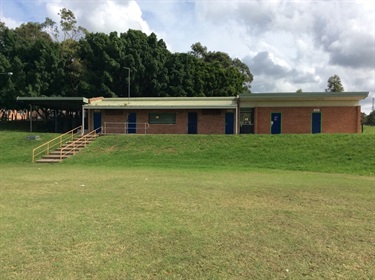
point(132, 123)
point(192, 123)
point(97, 121)
point(229, 123)
point(316, 126)
point(275, 123)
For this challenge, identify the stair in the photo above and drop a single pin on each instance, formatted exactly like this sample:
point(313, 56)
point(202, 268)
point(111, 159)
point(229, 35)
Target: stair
point(68, 149)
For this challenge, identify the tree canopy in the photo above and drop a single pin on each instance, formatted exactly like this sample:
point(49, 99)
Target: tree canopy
point(370, 119)
point(64, 59)
point(334, 84)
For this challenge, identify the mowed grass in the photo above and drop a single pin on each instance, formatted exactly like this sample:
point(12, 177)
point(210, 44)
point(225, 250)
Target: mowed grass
point(335, 153)
point(353, 154)
point(64, 222)
point(190, 207)
point(369, 129)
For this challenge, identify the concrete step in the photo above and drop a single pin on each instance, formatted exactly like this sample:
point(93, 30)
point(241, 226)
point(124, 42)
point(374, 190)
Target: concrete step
point(67, 153)
point(89, 137)
point(55, 156)
point(48, 160)
point(78, 143)
point(77, 148)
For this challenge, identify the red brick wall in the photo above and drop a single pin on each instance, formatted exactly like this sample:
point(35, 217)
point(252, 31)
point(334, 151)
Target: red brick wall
point(211, 124)
point(298, 119)
point(294, 120)
point(207, 123)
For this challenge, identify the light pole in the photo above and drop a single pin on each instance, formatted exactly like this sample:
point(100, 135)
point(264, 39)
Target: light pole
point(128, 83)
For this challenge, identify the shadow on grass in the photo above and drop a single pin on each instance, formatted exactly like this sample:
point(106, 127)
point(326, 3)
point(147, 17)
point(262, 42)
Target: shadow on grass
point(22, 126)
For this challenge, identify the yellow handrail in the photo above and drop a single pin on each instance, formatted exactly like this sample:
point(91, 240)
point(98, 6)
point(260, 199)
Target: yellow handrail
point(54, 143)
point(73, 146)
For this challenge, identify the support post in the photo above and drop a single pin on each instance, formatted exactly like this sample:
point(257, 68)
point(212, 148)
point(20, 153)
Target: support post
point(31, 118)
point(55, 119)
point(83, 121)
point(237, 112)
point(128, 83)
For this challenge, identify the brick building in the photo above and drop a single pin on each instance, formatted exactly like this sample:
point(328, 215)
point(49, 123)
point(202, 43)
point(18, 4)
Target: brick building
point(314, 112)
point(265, 113)
point(215, 115)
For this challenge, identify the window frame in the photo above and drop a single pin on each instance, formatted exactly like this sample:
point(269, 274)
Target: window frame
point(162, 117)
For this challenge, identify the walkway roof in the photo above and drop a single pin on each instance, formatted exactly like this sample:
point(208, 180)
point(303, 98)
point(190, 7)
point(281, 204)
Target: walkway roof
point(58, 103)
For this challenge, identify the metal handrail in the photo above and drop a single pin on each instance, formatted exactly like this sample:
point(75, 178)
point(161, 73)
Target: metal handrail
point(123, 127)
point(78, 142)
point(50, 144)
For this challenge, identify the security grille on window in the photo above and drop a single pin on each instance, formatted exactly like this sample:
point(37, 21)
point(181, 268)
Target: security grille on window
point(162, 118)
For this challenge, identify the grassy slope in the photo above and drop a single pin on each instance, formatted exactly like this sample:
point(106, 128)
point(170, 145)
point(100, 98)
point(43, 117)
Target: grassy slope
point(340, 153)
point(16, 148)
point(320, 153)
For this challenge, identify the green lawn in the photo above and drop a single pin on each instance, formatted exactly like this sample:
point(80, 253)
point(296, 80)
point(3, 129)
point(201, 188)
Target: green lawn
point(343, 153)
point(174, 207)
point(369, 129)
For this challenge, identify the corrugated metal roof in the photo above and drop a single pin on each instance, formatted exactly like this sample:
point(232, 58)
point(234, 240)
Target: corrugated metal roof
point(187, 102)
point(61, 103)
point(165, 103)
point(293, 96)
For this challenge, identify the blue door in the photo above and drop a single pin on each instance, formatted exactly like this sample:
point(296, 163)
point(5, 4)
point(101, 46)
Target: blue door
point(275, 123)
point(132, 123)
point(192, 123)
point(316, 126)
point(229, 123)
point(97, 121)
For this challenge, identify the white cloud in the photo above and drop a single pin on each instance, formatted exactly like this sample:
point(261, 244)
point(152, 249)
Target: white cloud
point(11, 23)
point(103, 16)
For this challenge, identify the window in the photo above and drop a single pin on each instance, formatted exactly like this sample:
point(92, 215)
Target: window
point(162, 118)
point(246, 116)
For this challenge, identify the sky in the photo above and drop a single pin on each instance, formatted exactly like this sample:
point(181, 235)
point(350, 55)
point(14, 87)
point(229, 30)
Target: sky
point(288, 45)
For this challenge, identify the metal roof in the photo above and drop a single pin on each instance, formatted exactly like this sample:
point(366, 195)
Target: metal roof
point(164, 103)
point(59, 103)
point(76, 103)
point(296, 96)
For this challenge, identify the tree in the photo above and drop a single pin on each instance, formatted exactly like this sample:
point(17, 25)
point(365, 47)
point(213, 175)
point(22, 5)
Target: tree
point(334, 84)
point(106, 59)
point(63, 59)
point(363, 118)
point(371, 118)
point(71, 66)
point(233, 77)
point(299, 90)
point(68, 25)
point(31, 54)
point(198, 50)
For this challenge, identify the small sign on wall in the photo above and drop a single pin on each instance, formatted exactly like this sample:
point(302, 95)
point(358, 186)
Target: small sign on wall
point(316, 110)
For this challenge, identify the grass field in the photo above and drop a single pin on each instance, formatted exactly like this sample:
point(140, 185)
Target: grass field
point(180, 207)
